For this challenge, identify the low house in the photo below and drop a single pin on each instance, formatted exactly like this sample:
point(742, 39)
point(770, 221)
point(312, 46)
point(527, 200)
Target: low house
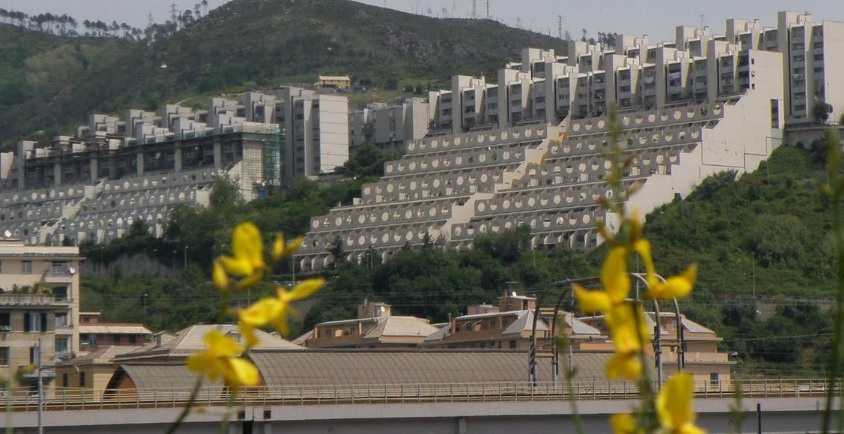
point(334, 81)
point(94, 334)
point(178, 347)
point(88, 374)
point(375, 327)
point(510, 326)
point(692, 347)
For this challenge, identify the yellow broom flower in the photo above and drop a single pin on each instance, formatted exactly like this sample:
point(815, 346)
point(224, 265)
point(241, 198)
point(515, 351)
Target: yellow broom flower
point(615, 280)
point(674, 406)
point(220, 360)
point(673, 287)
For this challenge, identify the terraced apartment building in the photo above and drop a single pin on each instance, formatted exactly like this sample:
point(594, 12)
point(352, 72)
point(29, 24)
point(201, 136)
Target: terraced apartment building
point(529, 149)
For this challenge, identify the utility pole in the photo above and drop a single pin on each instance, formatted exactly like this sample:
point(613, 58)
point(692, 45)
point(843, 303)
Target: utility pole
point(487, 9)
point(173, 12)
point(474, 9)
point(40, 389)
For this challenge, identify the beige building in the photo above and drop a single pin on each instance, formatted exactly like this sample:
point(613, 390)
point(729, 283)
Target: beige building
point(88, 374)
point(334, 81)
point(700, 355)
point(375, 327)
point(94, 334)
point(39, 304)
point(177, 347)
point(509, 325)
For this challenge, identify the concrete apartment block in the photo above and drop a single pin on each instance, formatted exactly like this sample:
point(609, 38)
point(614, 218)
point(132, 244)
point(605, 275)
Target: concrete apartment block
point(315, 130)
point(133, 169)
point(689, 108)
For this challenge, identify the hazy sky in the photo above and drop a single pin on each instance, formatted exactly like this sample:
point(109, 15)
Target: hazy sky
point(657, 18)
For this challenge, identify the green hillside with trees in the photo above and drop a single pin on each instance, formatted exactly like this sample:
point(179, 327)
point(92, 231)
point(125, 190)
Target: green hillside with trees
point(51, 80)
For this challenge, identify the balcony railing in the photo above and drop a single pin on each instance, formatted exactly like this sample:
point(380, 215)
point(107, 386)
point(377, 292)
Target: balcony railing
point(46, 300)
point(64, 399)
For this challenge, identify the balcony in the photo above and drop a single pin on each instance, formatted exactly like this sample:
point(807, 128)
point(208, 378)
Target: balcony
point(59, 274)
point(30, 300)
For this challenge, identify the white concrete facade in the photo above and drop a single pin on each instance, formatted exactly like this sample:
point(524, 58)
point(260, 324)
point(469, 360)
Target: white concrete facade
point(389, 127)
point(696, 67)
point(687, 110)
point(315, 128)
point(119, 171)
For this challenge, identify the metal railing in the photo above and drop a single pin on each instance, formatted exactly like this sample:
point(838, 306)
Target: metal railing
point(336, 394)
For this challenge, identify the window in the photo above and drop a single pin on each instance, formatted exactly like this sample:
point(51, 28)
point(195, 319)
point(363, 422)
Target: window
point(60, 293)
point(34, 322)
point(61, 320)
point(4, 356)
point(5, 322)
point(133, 339)
point(61, 347)
point(81, 379)
point(713, 378)
point(512, 345)
point(26, 267)
point(59, 268)
point(65, 380)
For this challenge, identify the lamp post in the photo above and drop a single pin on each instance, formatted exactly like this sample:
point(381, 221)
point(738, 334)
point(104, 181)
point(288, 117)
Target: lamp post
point(536, 314)
point(40, 390)
point(681, 362)
point(186, 257)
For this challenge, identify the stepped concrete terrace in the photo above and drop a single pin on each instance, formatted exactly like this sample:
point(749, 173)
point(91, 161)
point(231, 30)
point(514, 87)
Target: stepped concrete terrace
point(453, 188)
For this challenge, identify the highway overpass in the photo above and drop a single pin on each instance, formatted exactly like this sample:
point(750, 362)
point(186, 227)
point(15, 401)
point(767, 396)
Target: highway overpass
point(786, 407)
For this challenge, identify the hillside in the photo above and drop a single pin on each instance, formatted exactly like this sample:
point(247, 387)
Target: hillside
point(49, 83)
point(52, 83)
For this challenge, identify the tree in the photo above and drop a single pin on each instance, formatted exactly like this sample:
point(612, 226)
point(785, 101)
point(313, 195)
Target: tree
point(778, 238)
point(821, 111)
point(337, 252)
point(392, 83)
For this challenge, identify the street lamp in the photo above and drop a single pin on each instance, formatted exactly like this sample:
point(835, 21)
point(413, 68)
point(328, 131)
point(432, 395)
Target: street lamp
point(144, 302)
point(681, 356)
point(186, 257)
point(536, 313)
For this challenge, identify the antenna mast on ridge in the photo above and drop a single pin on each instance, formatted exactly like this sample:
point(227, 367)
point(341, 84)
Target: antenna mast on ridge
point(560, 26)
point(173, 12)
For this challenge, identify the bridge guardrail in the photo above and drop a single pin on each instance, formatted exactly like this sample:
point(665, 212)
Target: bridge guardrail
point(83, 399)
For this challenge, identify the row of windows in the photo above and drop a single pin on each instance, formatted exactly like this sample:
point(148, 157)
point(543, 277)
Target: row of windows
point(33, 321)
point(61, 348)
point(56, 267)
point(66, 380)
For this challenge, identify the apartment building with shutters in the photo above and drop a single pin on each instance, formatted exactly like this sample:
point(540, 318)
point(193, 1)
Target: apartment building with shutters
point(39, 303)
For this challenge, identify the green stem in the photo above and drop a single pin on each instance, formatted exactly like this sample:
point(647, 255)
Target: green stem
point(187, 408)
point(10, 392)
point(648, 410)
point(224, 425)
point(569, 373)
point(224, 307)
